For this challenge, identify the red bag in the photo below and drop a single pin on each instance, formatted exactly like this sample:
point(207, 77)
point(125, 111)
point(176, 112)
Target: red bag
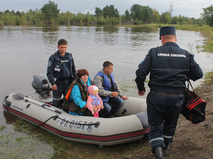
point(193, 108)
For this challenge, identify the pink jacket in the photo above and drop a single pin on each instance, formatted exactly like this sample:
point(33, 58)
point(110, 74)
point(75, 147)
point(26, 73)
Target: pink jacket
point(93, 100)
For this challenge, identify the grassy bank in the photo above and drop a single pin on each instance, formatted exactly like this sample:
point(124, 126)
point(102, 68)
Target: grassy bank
point(205, 30)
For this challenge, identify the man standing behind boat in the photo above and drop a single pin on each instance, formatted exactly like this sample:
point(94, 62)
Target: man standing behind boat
point(60, 71)
point(109, 91)
point(169, 67)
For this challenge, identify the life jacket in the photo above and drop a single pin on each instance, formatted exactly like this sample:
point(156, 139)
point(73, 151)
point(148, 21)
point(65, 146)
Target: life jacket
point(108, 84)
point(70, 104)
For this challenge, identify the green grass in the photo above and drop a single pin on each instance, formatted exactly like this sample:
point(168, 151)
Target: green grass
point(2, 127)
point(208, 77)
point(205, 30)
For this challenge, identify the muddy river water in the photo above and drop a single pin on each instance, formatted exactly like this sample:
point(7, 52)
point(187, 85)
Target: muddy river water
point(25, 52)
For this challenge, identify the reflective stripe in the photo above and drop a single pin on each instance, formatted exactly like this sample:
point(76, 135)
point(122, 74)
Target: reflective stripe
point(159, 138)
point(168, 137)
point(57, 98)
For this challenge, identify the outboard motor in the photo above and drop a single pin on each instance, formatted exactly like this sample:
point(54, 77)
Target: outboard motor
point(41, 85)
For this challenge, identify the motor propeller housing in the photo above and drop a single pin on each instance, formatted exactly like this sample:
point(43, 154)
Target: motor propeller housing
point(41, 85)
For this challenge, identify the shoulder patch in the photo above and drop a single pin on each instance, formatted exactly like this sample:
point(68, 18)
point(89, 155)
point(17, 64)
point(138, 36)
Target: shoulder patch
point(50, 63)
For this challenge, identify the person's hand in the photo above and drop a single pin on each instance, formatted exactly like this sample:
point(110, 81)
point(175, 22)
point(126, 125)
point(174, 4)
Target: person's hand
point(124, 98)
point(95, 109)
point(54, 87)
point(114, 94)
point(141, 93)
point(102, 107)
point(92, 112)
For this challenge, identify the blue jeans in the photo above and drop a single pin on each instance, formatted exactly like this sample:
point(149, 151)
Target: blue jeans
point(112, 106)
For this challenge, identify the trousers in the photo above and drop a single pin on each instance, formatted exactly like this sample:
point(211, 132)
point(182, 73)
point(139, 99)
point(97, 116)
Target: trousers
point(112, 106)
point(62, 86)
point(163, 113)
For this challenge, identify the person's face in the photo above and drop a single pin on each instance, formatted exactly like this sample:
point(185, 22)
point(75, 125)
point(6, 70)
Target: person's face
point(62, 49)
point(109, 69)
point(96, 93)
point(84, 78)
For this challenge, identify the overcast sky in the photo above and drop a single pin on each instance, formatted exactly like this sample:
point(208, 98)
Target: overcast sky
point(188, 8)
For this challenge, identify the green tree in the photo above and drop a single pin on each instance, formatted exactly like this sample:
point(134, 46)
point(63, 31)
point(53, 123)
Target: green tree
point(110, 11)
point(181, 19)
point(207, 15)
point(136, 12)
point(80, 18)
point(37, 18)
point(101, 20)
point(50, 12)
point(17, 20)
point(88, 18)
point(174, 20)
point(156, 16)
point(190, 21)
point(18, 13)
point(62, 19)
point(200, 22)
point(7, 11)
point(23, 20)
point(127, 15)
point(29, 16)
point(165, 18)
point(98, 12)
point(147, 14)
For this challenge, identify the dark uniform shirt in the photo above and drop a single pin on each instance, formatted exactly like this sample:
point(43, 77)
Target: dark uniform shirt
point(61, 67)
point(169, 67)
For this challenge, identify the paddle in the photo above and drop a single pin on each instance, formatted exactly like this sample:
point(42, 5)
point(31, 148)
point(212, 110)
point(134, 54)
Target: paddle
point(21, 96)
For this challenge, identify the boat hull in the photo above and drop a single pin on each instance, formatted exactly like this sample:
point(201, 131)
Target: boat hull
point(130, 124)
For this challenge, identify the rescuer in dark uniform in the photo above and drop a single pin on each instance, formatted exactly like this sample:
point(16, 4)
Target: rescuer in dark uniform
point(60, 71)
point(169, 67)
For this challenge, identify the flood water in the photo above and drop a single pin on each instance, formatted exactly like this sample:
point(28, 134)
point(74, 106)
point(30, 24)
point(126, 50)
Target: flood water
point(25, 52)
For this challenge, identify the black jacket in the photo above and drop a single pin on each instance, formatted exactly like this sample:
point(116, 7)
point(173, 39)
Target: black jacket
point(169, 67)
point(61, 67)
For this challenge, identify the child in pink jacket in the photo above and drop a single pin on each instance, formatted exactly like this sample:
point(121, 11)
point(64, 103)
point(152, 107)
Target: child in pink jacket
point(94, 100)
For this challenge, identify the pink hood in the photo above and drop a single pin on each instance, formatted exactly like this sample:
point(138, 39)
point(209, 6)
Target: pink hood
point(92, 89)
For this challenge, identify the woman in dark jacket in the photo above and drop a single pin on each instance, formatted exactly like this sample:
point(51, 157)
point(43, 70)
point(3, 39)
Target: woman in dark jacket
point(77, 94)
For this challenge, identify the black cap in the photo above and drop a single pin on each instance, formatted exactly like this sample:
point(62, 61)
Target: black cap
point(167, 30)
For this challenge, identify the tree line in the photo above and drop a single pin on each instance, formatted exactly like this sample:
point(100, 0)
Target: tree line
point(49, 14)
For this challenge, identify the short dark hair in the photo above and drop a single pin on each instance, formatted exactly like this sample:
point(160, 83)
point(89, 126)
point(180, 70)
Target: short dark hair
point(82, 72)
point(107, 64)
point(62, 42)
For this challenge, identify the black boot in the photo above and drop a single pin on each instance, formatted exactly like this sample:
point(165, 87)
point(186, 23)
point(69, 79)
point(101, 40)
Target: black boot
point(159, 153)
point(166, 150)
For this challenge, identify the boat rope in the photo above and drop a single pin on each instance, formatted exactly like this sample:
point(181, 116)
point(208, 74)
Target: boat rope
point(56, 116)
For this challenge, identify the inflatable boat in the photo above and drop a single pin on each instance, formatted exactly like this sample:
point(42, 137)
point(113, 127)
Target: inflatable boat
point(129, 124)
